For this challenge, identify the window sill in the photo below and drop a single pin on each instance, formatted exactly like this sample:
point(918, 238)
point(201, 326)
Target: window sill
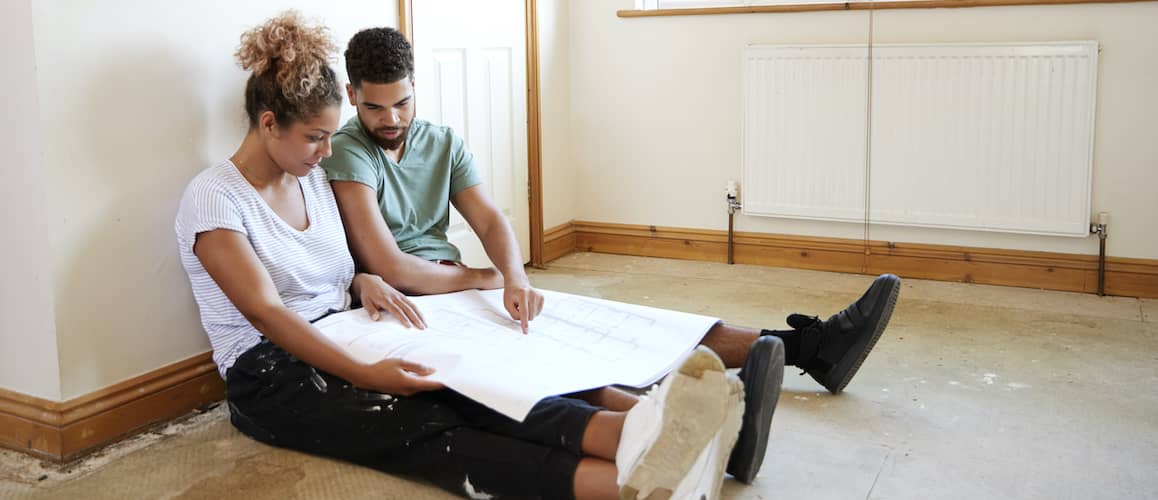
point(858, 5)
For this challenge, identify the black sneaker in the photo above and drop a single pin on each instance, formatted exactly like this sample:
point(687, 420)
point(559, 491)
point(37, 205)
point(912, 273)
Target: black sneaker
point(832, 351)
point(762, 375)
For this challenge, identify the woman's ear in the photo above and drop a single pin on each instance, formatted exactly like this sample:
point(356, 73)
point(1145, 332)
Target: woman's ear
point(267, 122)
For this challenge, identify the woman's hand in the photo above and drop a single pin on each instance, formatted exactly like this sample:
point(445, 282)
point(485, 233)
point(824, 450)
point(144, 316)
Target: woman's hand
point(396, 376)
point(377, 296)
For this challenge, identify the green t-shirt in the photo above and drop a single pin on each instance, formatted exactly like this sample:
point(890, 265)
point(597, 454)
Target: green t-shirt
point(414, 194)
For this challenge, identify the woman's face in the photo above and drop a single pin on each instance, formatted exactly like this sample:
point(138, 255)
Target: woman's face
point(299, 147)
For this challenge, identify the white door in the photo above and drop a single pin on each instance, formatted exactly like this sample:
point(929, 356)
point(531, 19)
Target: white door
point(470, 74)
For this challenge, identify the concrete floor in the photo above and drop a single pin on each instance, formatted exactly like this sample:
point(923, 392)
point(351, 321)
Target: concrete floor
point(974, 392)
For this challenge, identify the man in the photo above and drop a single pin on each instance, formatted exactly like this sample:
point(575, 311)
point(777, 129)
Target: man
point(395, 176)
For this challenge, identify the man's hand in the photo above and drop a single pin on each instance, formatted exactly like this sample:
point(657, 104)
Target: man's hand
point(377, 296)
point(522, 302)
point(396, 376)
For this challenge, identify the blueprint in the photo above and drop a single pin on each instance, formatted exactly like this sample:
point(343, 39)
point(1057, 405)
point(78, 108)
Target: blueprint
point(576, 343)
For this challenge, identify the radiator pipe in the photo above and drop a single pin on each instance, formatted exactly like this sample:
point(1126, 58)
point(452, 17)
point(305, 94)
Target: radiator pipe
point(1099, 228)
point(731, 193)
point(731, 245)
point(1102, 265)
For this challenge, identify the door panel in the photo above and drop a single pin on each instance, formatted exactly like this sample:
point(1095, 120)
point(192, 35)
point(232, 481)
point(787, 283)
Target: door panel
point(470, 74)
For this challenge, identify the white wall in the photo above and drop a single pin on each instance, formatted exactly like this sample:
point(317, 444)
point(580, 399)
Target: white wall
point(111, 107)
point(28, 352)
point(655, 111)
point(135, 98)
point(555, 91)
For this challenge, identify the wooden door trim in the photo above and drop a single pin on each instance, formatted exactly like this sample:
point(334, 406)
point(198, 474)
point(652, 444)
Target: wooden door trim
point(406, 19)
point(534, 135)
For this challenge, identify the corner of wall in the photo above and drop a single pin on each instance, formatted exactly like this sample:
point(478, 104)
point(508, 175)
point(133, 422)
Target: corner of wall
point(29, 359)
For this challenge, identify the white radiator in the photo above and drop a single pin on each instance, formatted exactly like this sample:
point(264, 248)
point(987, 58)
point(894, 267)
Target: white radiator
point(995, 137)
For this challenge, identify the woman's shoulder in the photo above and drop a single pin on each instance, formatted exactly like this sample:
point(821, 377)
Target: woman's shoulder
point(212, 187)
point(216, 180)
point(211, 200)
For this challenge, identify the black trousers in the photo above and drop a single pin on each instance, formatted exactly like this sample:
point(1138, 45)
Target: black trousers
point(442, 436)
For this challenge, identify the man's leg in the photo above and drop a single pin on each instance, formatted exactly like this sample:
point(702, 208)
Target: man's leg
point(731, 342)
point(832, 350)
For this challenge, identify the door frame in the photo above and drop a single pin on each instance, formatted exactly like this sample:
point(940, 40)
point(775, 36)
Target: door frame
point(534, 124)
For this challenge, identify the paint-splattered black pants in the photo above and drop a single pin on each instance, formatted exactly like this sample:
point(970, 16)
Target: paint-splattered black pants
point(442, 436)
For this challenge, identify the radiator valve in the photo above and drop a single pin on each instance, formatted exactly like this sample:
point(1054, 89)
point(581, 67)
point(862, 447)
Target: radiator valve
point(1099, 227)
point(732, 192)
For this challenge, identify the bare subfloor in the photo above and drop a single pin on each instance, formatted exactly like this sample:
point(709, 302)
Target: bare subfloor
point(974, 392)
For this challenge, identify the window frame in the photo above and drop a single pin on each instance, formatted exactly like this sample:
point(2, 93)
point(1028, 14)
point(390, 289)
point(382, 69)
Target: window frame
point(654, 8)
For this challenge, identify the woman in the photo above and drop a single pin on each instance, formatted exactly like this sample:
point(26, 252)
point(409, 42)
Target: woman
point(262, 241)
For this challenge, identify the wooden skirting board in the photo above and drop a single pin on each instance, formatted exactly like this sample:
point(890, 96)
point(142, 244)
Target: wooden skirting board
point(1045, 270)
point(63, 431)
point(558, 241)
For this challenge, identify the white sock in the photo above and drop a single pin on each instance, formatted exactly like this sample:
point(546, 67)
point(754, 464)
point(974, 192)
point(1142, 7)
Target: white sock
point(640, 428)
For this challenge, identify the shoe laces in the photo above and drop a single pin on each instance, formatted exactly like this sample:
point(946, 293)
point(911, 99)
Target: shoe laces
point(811, 330)
point(799, 321)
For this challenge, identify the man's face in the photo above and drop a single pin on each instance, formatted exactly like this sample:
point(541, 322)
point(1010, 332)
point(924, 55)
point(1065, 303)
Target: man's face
point(385, 110)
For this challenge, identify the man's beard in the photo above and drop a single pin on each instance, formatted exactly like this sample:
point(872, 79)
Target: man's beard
point(391, 144)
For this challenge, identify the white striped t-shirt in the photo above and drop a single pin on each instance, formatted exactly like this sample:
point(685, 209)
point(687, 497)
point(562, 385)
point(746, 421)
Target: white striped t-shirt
point(311, 269)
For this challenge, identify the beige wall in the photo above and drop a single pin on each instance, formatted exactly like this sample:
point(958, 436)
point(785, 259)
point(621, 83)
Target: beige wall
point(655, 111)
point(135, 98)
point(555, 88)
point(28, 352)
point(112, 107)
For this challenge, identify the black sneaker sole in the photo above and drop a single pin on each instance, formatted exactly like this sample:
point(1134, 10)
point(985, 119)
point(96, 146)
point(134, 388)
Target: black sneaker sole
point(841, 374)
point(763, 377)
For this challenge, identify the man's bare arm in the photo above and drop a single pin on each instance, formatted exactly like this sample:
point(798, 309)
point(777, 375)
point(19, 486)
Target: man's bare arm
point(522, 301)
point(377, 252)
point(487, 221)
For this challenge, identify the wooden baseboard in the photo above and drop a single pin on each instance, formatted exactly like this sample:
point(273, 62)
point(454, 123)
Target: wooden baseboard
point(1045, 270)
point(558, 241)
point(63, 431)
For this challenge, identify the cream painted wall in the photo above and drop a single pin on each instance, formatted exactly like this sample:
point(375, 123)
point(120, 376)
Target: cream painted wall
point(28, 351)
point(655, 111)
point(555, 91)
point(136, 98)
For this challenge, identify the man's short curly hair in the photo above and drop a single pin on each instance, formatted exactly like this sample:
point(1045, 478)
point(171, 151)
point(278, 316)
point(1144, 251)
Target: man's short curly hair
point(379, 55)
